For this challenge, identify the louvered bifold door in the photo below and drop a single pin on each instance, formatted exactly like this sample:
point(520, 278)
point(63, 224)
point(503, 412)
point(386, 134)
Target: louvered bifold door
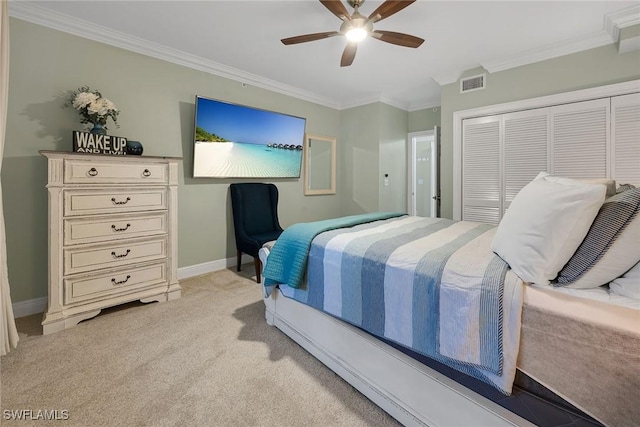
point(625, 139)
point(481, 169)
point(579, 136)
point(526, 151)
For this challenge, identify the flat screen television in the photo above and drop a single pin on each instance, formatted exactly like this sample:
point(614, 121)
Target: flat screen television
point(237, 141)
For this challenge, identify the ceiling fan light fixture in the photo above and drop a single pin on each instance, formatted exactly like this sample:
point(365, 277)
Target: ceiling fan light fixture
point(356, 27)
point(356, 35)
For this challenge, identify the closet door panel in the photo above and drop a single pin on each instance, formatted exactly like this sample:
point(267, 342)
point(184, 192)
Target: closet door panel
point(481, 169)
point(625, 138)
point(580, 135)
point(526, 153)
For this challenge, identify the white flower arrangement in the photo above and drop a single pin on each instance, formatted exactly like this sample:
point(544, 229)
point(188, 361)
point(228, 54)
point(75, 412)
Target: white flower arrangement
point(93, 107)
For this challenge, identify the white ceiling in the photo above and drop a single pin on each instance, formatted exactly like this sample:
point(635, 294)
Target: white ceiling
point(241, 40)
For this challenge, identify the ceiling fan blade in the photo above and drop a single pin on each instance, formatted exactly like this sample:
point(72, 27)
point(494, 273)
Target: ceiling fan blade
point(399, 39)
point(388, 8)
point(349, 54)
point(309, 37)
point(337, 8)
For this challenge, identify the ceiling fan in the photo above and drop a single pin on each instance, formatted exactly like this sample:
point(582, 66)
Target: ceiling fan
point(356, 27)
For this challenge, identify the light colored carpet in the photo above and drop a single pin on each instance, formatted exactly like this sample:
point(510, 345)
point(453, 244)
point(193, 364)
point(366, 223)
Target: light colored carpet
point(206, 359)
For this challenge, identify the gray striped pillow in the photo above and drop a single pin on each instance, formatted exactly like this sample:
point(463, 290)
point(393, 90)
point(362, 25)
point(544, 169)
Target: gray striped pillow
point(611, 246)
point(624, 187)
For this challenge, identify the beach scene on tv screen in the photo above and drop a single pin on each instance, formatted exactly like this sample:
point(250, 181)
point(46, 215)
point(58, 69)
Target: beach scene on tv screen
point(234, 141)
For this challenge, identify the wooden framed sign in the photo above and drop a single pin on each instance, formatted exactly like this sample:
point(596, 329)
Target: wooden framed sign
point(87, 142)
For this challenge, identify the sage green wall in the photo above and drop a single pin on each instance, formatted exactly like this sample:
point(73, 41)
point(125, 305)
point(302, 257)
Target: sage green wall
point(425, 119)
point(157, 103)
point(629, 32)
point(319, 164)
point(393, 159)
point(373, 142)
point(591, 68)
point(359, 148)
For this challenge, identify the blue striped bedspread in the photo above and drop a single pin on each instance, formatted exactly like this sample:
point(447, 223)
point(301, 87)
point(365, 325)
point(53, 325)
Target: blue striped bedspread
point(432, 285)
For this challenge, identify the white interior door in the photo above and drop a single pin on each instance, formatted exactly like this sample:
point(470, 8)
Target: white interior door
point(423, 179)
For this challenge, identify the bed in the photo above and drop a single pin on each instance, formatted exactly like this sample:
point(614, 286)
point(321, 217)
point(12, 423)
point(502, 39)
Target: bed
point(355, 308)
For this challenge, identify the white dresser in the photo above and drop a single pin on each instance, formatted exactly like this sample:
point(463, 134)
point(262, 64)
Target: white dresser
point(112, 233)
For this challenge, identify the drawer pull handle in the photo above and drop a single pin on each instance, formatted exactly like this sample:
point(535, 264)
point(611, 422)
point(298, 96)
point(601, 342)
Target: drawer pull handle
point(146, 173)
point(93, 172)
point(114, 282)
point(114, 228)
point(115, 202)
point(121, 255)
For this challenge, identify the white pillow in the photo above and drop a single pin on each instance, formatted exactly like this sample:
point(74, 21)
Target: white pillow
point(544, 226)
point(629, 284)
point(607, 182)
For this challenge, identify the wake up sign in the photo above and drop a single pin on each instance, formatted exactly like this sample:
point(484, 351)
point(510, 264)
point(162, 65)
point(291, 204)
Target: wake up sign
point(86, 142)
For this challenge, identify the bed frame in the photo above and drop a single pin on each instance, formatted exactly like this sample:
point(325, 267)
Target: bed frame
point(409, 391)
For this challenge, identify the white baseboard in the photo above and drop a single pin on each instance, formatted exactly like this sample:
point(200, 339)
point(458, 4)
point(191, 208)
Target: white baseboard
point(210, 266)
point(29, 307)
point(39, 305)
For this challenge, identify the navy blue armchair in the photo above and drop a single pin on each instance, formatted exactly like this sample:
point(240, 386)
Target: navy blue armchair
point(255, 218)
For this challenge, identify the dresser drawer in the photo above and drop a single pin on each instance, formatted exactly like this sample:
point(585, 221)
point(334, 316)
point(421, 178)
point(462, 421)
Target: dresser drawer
point(121, 281)
point(106, 228)
point(86, 202)
point(114, 172)
point(85, 259)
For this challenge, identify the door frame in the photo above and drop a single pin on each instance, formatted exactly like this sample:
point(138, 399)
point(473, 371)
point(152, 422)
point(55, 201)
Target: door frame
point(434, 210)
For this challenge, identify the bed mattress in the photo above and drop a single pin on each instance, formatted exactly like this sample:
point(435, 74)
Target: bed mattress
point(585, 349)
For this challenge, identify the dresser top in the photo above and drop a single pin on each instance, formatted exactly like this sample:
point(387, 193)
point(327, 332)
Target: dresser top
point(90, 156)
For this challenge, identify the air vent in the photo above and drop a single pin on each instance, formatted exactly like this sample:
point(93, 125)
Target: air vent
point(472, 83)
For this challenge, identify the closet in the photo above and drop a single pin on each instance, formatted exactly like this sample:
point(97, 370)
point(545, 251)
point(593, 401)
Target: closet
point(498, 154)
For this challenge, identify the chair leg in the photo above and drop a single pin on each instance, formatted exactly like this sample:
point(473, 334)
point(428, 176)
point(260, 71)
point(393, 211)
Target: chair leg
point(258, 265)
point(239, 264)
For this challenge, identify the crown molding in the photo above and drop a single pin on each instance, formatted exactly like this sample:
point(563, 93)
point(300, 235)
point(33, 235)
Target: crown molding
point(623, 18)
point(424, 106)
point(371, 100)
point(566, 47)
point(395, 103)
point(65, 23)
point(613, 22)
point(77, 27)
point(409, 107)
